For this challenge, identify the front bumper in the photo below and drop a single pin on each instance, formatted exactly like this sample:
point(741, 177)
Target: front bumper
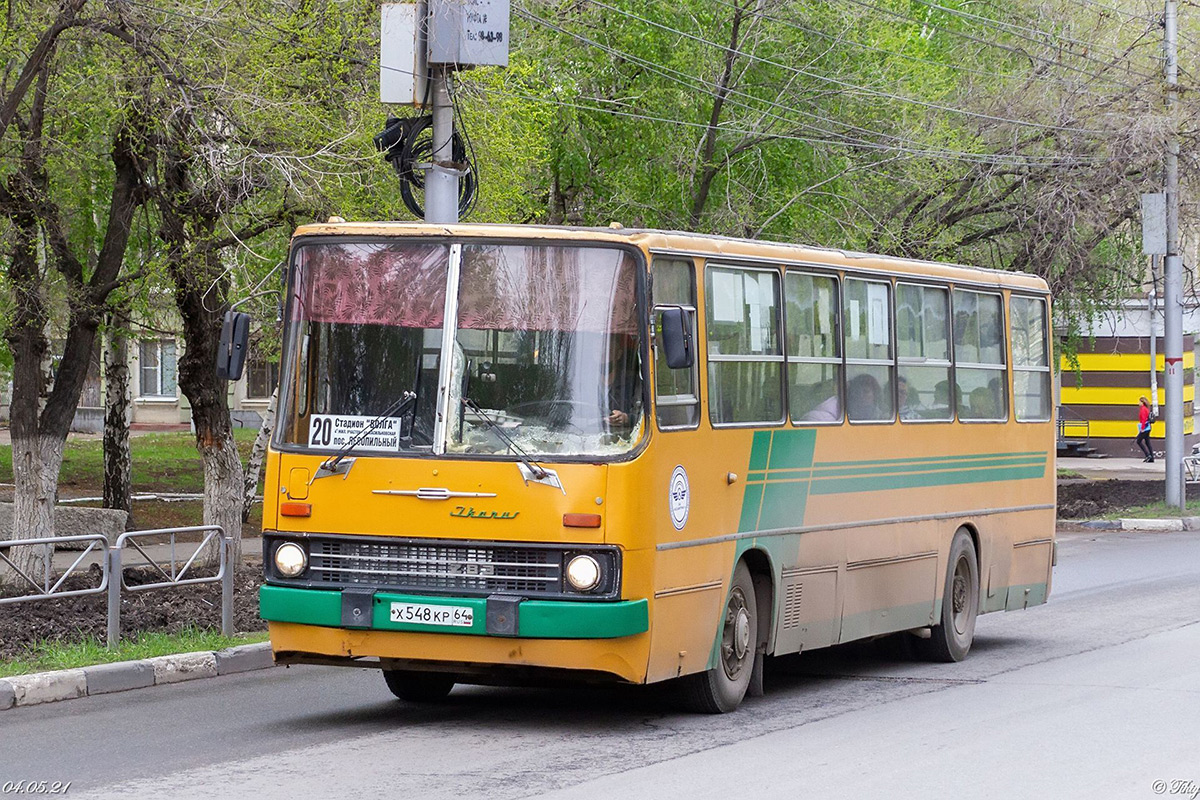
point(536, 619)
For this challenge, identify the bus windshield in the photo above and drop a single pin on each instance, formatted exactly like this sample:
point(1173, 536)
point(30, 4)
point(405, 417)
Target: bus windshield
point(545, 356)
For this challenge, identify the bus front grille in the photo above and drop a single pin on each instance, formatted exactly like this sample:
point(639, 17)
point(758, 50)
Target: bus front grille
point(442, 567)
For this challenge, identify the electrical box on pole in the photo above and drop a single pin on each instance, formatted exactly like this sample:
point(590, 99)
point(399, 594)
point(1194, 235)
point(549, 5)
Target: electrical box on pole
point(469, 32)
point(422, 44)
point(403, 67)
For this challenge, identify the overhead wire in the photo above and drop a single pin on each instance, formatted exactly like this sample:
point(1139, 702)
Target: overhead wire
point(848, 86)
point(708, 88)
point(858, 45)
point(1038, 36)
point(837, 140)
point(997, 45)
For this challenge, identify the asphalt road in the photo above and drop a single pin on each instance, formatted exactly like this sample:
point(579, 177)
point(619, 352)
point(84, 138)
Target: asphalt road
point(1095, 695)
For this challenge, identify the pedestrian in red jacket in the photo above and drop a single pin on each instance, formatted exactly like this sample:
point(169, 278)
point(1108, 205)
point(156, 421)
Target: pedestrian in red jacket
point(1143, 437)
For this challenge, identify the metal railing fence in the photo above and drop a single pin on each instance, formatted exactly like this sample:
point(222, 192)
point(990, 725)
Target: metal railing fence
point(45, 588)
point(177, 571)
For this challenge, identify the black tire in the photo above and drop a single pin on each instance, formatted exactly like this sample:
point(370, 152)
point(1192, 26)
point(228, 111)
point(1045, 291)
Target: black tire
point(418, 687)
point(951, 639)
point(721, 689)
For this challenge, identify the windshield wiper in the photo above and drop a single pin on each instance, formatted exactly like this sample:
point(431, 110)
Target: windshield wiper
point(537, 470)
point(330, 466)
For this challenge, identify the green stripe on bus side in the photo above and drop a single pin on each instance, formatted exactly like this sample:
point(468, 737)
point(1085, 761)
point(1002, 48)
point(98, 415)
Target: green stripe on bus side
point(1041, 453)
point(792, 449)
point(819, 471)
point(912, 481)
point(759, 450)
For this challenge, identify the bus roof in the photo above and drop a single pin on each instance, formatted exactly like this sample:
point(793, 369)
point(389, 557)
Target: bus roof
point(698, 244)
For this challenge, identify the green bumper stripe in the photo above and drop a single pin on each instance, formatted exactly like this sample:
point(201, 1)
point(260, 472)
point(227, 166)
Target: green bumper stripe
point(539, 619)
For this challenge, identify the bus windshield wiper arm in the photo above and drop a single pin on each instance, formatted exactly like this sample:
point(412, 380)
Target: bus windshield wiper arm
point(537, 469)
point(401, 406)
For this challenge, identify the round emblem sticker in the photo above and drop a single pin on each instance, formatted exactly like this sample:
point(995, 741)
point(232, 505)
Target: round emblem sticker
point(679, 498)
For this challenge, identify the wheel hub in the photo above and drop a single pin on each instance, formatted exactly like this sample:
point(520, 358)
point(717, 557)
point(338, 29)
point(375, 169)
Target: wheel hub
point(741, 634)
point(736, 636)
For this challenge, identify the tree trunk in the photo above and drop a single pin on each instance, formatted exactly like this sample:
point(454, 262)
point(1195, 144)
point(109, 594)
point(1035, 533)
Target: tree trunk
point(223, 490)
point(257, 453)
point(36, 462)
point(118, 463)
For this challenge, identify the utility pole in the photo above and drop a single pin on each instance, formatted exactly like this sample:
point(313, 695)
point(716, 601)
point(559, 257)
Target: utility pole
point(441, 177)
point(422, 43)
point(1173, 278)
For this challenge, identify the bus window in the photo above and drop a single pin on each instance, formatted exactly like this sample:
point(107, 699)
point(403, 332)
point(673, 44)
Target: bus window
point(551, 355)
point(813, 348)
point(923, 352)
point(979, 356)
point(745, 356)
point(866, 323)
point(1031, 363)
point(365, 322)
point(676, 404)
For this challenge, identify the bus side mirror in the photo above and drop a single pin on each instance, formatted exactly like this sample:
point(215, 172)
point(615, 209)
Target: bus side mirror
point(235, 341)
point(676, 338)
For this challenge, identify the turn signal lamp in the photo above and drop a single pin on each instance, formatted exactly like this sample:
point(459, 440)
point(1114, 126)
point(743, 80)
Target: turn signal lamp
point(295, 509)
point(581, 520)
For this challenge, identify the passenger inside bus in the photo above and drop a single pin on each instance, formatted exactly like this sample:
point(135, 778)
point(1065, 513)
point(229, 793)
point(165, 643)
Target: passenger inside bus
point(623, 382)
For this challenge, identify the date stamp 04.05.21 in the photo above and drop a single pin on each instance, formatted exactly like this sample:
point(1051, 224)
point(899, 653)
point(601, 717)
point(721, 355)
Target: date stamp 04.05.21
point(1177, 788)
point(35, 787)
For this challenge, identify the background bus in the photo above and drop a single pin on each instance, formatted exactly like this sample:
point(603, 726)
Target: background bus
point(488, 469)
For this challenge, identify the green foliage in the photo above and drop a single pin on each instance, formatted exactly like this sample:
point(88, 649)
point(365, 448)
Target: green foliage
point(56, 655)
point(166, 462)
point(836, 126)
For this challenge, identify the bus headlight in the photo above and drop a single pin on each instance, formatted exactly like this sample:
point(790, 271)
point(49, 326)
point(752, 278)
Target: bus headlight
point(583, 573)
point(290, 559)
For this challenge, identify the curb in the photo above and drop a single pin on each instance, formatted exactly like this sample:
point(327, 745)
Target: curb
point(1145, 525)
point(120, 676)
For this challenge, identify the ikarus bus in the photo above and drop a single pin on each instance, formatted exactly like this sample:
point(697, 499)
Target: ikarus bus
point(506, 452)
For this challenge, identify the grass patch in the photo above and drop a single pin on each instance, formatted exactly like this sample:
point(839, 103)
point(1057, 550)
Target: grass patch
point(1158, 510)
point(163, 462)
point(46, 656)
point(1069, 473)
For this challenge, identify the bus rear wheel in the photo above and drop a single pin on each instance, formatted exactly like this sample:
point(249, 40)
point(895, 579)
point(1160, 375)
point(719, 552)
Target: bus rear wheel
point(721, 689)
point(418, 687)
point(951, 639)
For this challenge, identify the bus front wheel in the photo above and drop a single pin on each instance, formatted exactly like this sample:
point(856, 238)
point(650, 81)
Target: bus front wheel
point(418, 687)
point(951, 639)
point(721, 689)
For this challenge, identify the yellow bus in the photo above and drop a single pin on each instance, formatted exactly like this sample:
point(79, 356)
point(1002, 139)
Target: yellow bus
point(506, 453)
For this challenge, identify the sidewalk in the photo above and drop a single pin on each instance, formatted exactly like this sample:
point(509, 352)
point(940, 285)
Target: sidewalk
point(1129, 469)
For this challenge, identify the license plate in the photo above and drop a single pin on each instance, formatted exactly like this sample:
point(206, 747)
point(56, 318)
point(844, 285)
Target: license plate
point(422, 614)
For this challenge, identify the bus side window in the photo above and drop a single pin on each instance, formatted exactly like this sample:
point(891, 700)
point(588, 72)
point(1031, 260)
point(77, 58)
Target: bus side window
point(676, 403)
point(923, 351)
point(979, 373)
point(867, 324)
point(745, 349)
point(814, 350)
point(1031, 362)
